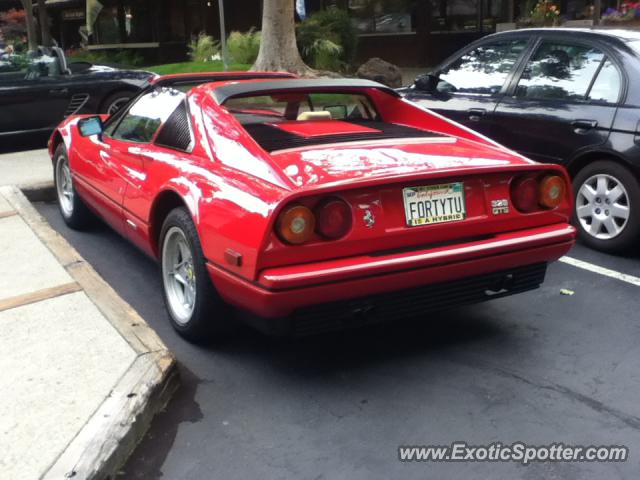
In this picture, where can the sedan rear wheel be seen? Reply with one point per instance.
(195, 309)
(607, 197)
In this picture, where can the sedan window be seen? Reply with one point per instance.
(482, 70)
(559, 71)
(143, 119)
(606, 87)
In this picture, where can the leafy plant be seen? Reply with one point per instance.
(122, 57)
(204, 48)
(328, 39)
(325, 54)
(13, 28)
(244, 47)
(627, 12)
(545, 12)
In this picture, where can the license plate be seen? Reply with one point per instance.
(434, 204)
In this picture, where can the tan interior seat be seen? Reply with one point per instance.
(322, 115)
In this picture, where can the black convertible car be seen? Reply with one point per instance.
(39, 89)
(568, 96)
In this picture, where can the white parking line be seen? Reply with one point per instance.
(601, 270)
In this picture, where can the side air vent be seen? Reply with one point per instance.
(176, 131)
(75, 105)
(272, 138)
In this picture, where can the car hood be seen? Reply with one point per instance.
(370, 160)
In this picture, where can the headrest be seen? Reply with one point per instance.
(322, 115)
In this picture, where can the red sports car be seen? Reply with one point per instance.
(310, 205)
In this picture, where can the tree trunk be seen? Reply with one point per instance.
(278, 47)
(43, 20)
(32, 34)
(597, 7)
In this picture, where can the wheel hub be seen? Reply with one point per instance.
(602, 206)
(179, 275)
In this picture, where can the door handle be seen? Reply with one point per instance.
(476, 114)
(582, 126)
(58, 92)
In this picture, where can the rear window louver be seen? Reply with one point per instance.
(176, 131)
(271, 138)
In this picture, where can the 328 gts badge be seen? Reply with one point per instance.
(500, 206)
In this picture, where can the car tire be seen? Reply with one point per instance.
(73, 210)
(115, 101)
(195, 309)
(607, 206)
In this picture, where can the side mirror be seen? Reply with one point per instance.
(90, 126)
(427, 83)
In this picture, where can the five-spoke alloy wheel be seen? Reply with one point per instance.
(178, 275)
(195, 309)
(73, 210)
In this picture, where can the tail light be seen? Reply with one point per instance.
(524, 194)
(334, 218)
(552, 191)
(296, 224)
(530, 193)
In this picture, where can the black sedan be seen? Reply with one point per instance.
(39, 89)
(568, 96)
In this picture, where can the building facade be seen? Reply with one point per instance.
(405, 32)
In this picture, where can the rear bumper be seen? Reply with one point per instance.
(284, 291)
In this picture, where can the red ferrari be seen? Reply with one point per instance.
(310, 205)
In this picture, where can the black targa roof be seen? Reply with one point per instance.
(222, 94)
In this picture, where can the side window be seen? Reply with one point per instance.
(606, 87)
(143, 119)
(483, 70)
(559, 71)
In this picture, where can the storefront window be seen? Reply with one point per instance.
(122, 21)
(494, 11)
(384, 16)
(465, 15)
(454, 15)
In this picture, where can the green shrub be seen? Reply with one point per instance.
(244, 47)
(203, 48)
(122, 57)
(320, 34)
(324, 53)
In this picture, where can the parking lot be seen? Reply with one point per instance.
(542, 367)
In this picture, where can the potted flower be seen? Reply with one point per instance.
(627, 15)
(545, 13)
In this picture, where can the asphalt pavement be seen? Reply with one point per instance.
(540, 368)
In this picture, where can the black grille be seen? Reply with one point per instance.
(176, 131)
(272, 138)
(415, 301)
(75, 105)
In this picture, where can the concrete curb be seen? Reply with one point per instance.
(108, 438)
(39, 192)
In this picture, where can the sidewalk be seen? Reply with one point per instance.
(82, 373)
(30, 168)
